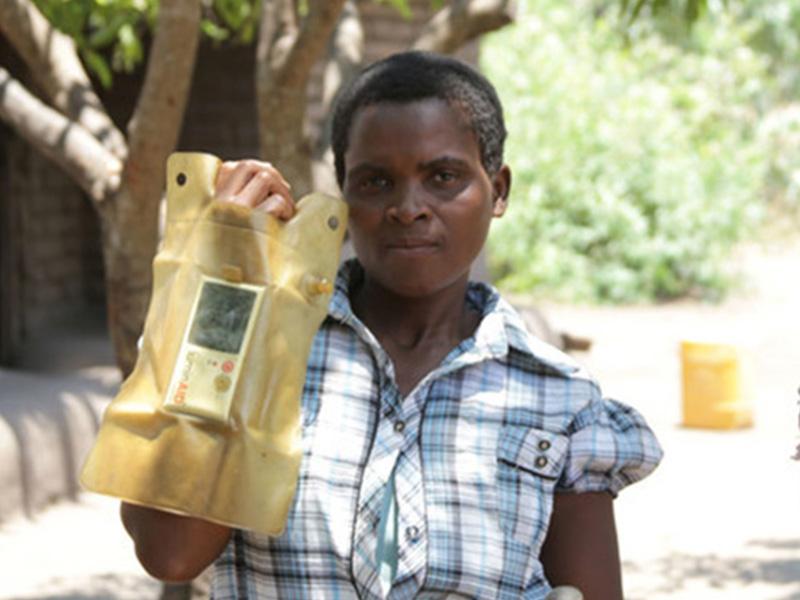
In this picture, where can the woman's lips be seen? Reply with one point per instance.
(412, 246)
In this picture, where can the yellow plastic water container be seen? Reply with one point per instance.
(713, 395)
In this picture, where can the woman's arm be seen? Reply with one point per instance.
(172, 547)
(581, 546)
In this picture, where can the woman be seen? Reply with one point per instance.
(446, 451)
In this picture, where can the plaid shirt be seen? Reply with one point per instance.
(480, 446)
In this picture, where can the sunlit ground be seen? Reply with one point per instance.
(73, 551)
(719, 518)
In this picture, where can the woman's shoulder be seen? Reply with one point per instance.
(527, 346)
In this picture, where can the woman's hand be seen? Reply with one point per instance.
(255, 184)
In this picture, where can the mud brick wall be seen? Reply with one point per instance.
(60, 257)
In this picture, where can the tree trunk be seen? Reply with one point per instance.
(64, 141)
(130, 222)
(288, 47)
(129, 228)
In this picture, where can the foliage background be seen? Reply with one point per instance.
(109, 34)
(642, 152)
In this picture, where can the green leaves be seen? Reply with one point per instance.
(107, 33)
(98, 65)
(637, 166)
(232, 19)
(692, 10)
(110, 34)
(400, 6)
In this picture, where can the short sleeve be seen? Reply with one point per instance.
(610, 447)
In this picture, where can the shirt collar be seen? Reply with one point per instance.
(501, 327)
(339, 308)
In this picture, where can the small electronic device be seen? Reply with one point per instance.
(210, 357)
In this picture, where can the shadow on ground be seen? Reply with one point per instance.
(50, 407)
(109, 586)
(678, 571)
(47, 424)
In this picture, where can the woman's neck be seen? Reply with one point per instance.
(409, 323)
(416, 333)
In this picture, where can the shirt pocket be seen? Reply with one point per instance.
(529, 462)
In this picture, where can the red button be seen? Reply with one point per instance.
(227, 366)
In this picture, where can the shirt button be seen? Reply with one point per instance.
(412, 534)
(544, 445)
(388, 412)
(400, 426)
(541, 461)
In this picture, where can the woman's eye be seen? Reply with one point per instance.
(375, 183)
(445, 177)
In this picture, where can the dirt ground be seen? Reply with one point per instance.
(718, 519)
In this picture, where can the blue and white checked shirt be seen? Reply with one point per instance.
(480, 446)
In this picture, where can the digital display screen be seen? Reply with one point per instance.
(220, 320)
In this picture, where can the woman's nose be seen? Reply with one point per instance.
(409, 206)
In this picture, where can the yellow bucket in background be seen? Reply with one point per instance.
(713, 395)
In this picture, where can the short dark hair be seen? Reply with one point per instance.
(411, 76)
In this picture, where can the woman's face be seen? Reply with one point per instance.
(420, 200)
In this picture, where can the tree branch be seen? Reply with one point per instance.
(285, 56)
(53, 61)
(291, 49)
(156, 122)
(461, 21)
(345, 55)
(315, 31)
(65, 142)
(277, 33)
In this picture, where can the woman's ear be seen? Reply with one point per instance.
(501, 186)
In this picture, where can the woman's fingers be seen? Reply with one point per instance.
(232, 177)
(255, 184)
(278, 207)
(264, 192)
